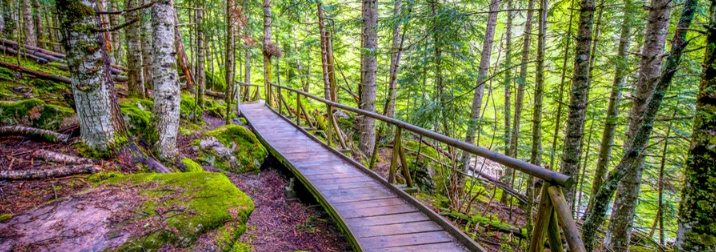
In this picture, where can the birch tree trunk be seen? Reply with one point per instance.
(147, 43)
(620, 75)
(165, 114)
(101, 124)
(27, 24)
(135, 76)
(519, 99)
(578, 99)
(698, 197)
(620, 225)
(635, 147)
(369, 68)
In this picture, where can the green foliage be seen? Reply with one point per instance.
(215, 82)
(35, 113)
(206, 201)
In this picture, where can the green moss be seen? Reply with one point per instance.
(5, 216)
(208, 201)
(248, 154)
(137, 114)
(86, 151)
(102, 176)
(191, 166)
(36, 113)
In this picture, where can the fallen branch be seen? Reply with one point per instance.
(35, 133)
(11, 51)
(502, 227)
(215, 94)
(48, 173)
(38, 74)
(7, 42)
(55, 157)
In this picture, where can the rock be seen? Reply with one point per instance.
(36, 113)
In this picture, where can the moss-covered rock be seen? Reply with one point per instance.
(191, 166)
(231, 148)
(183, 206)
(137, 114)
(36, 113)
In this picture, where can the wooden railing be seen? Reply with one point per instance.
(553, 211)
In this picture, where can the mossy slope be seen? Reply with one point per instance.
(190, 204)
(35, 113)
(231, 148)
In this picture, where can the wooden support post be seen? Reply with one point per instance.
(339, 132)
(394, 157)
(553, 236)
(280, 108)
(403, 160)
(544, 213)
(308, 117)
(298, 110)
(564, 214)
(329, 126)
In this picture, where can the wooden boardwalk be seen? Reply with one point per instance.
(374, 215)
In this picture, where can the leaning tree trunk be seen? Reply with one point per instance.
(635, 147)
(165, 114)
(698, 197)
(28, 24)
(620, 74)
(369, 68)
(620, 224)
(474, 124)
(578, 100)
(519, 99)
(147, 43)
(101, 124)
(135, 82)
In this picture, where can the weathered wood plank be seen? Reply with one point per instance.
(386, 219)
(442, 247)
(370, 204)
(407, 239)
(378, 211)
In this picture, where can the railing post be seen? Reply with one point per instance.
(329, 126)
(564, 214)
(394, 157)
(544, 213)
(278, 91)
(298, 110)
(403, 160)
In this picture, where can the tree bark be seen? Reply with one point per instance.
(519, 99)
(620, 75)
(37, 18)
(28, 24)
(165, 114)
(696, 210)
(508, 79)
(620, 225)
(182, 58)
(34, 133)
(201, 64)
(266, 43)
(369, 68)
(578, 99)
(230, 60)
(9, 22)
(113, 21)
(135, 84)
(389, 109)
(60, 158)
(147, 44)
(324, 53)
(49, 173)
(101, 124)
(636, 146)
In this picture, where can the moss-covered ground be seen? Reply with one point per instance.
(246, 152)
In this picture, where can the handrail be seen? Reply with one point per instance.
(531, 169)
(553, 209)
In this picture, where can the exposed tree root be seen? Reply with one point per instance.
(139, 156)
(34, 133)
(48, 173)
(55, 157)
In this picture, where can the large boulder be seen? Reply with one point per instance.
(231, 148)
(36, 113)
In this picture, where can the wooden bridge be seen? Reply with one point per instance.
(374, 214)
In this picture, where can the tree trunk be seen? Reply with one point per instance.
(696, 210)
(37, 18)
(389, 109)
(369, 68)
(101, 124)
(636, 146)
(620, 225)
(28, 24)
(9, 22)
(135, 84)
(324, 53)
(558, 123)
(519, 99)
(182, 58)
(113, 22)
(508, 80)
(620, 75)
(200, 62)
(165, 114)
(266, 43)
(146, 40)
(230, 60)
(475, 117)
(578, 99)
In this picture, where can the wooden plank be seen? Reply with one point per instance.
(348, 185)
(356, 198)
(407, 239)
(442, 247)
(342, 180)
(398, 228)
(386, 219)
(336, 175)
(369, 204)
(356, 192)
(378, 211)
